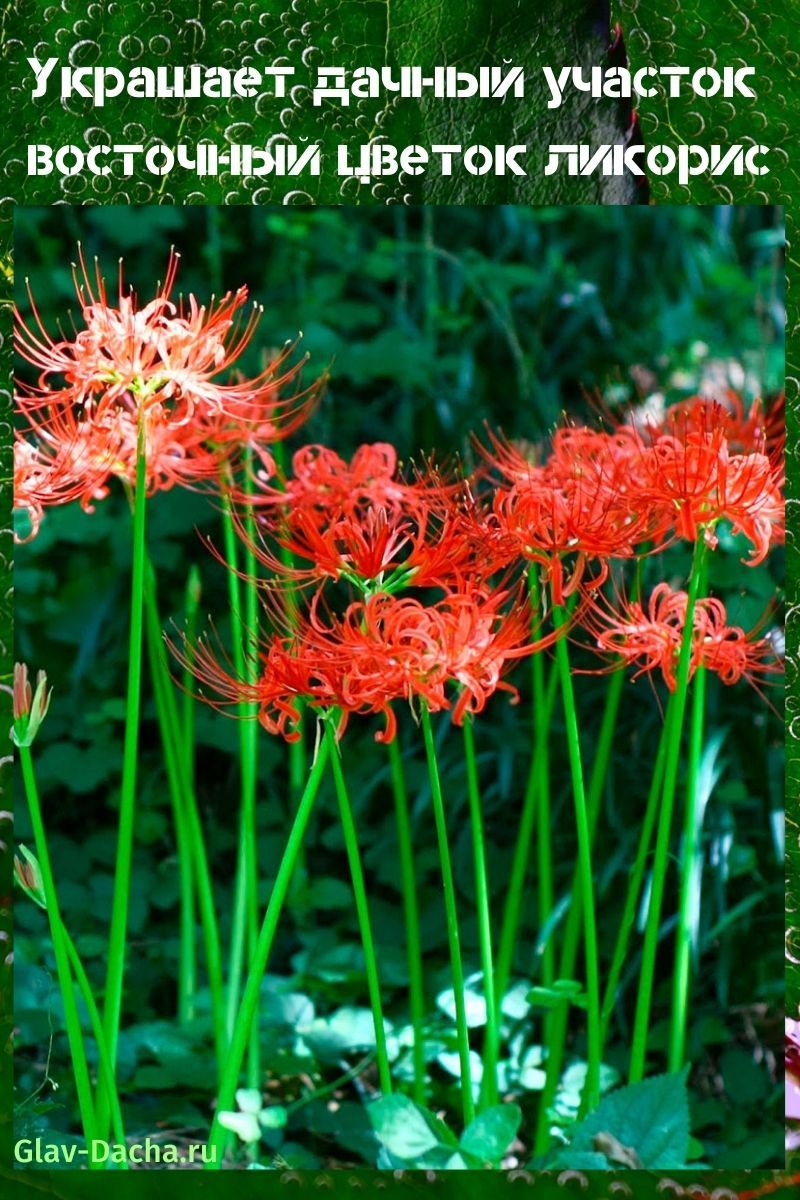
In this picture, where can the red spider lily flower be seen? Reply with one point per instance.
(436, 541)
(157, 367)
(161, 352)
(581, 506)
(648, 636)
(691, 473)
(382, 649)
(44, 477)
(322, 484)
(758, 429)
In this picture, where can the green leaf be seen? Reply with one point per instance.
(562, 991)
(681, 31)
(346, 1029)
(474, 1003)
(244, 1124)
(402, 1127)
(649, 1120)
(489, 1136)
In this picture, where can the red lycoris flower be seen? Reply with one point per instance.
(380, 650)
(581, 506)
(157, 367)
(648, 636)
(690, 470)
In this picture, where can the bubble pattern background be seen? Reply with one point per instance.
(306, 34)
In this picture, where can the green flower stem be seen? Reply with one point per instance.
(117, 943)
(635, 879)
(188, 953)
(185, 808)
(557, 1020)
(488, 1093)
(591, 1096)
(660, 862)
(72, 1022)
(362, 908)
(244, 928)
(462, 1029)
(252, 605)
(542, 715)
(536, 786)
(688, 874)
(416, 993)
(191, 606)
(594, 797)
(248, 1008)
(297, 750)
(95, 1020)
(186, 950)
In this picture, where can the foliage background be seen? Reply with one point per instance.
(433, 320)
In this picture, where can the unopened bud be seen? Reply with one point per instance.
(30, 706)
(29, 876)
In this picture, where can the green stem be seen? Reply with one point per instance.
(488, 1093)
(594, 797)
(416, 993)
(244, 926)
(557, 1020)
(112, 1006)
(250, 996)
(185, 808)
(591, 1096)
(462, 1029)
(95, 1020)
(188, 952)
(251, 662)
(72, 1022)
(661, 859)
(688, 872)
(297, 749)
(536, 786)
(635, 879)
(191, 609)
(362, 909)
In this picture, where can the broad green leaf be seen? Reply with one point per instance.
(489, 1136)
(685, 32)
(648, 1121)
(402, 1127)
(244, 1124)
(474, 1004)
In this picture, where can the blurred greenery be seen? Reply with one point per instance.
(431, 321)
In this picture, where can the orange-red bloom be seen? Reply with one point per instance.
(691, 473)
(581, 506)
(157, 368)
(648, 636)
(380, 650)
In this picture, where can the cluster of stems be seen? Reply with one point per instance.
(564, 926)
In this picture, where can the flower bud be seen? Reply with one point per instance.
(30, 706)
(28, 874)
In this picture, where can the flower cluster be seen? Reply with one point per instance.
(143, 382)
(382, 584)
(604, 495)
(406, 601)
(380, 650)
